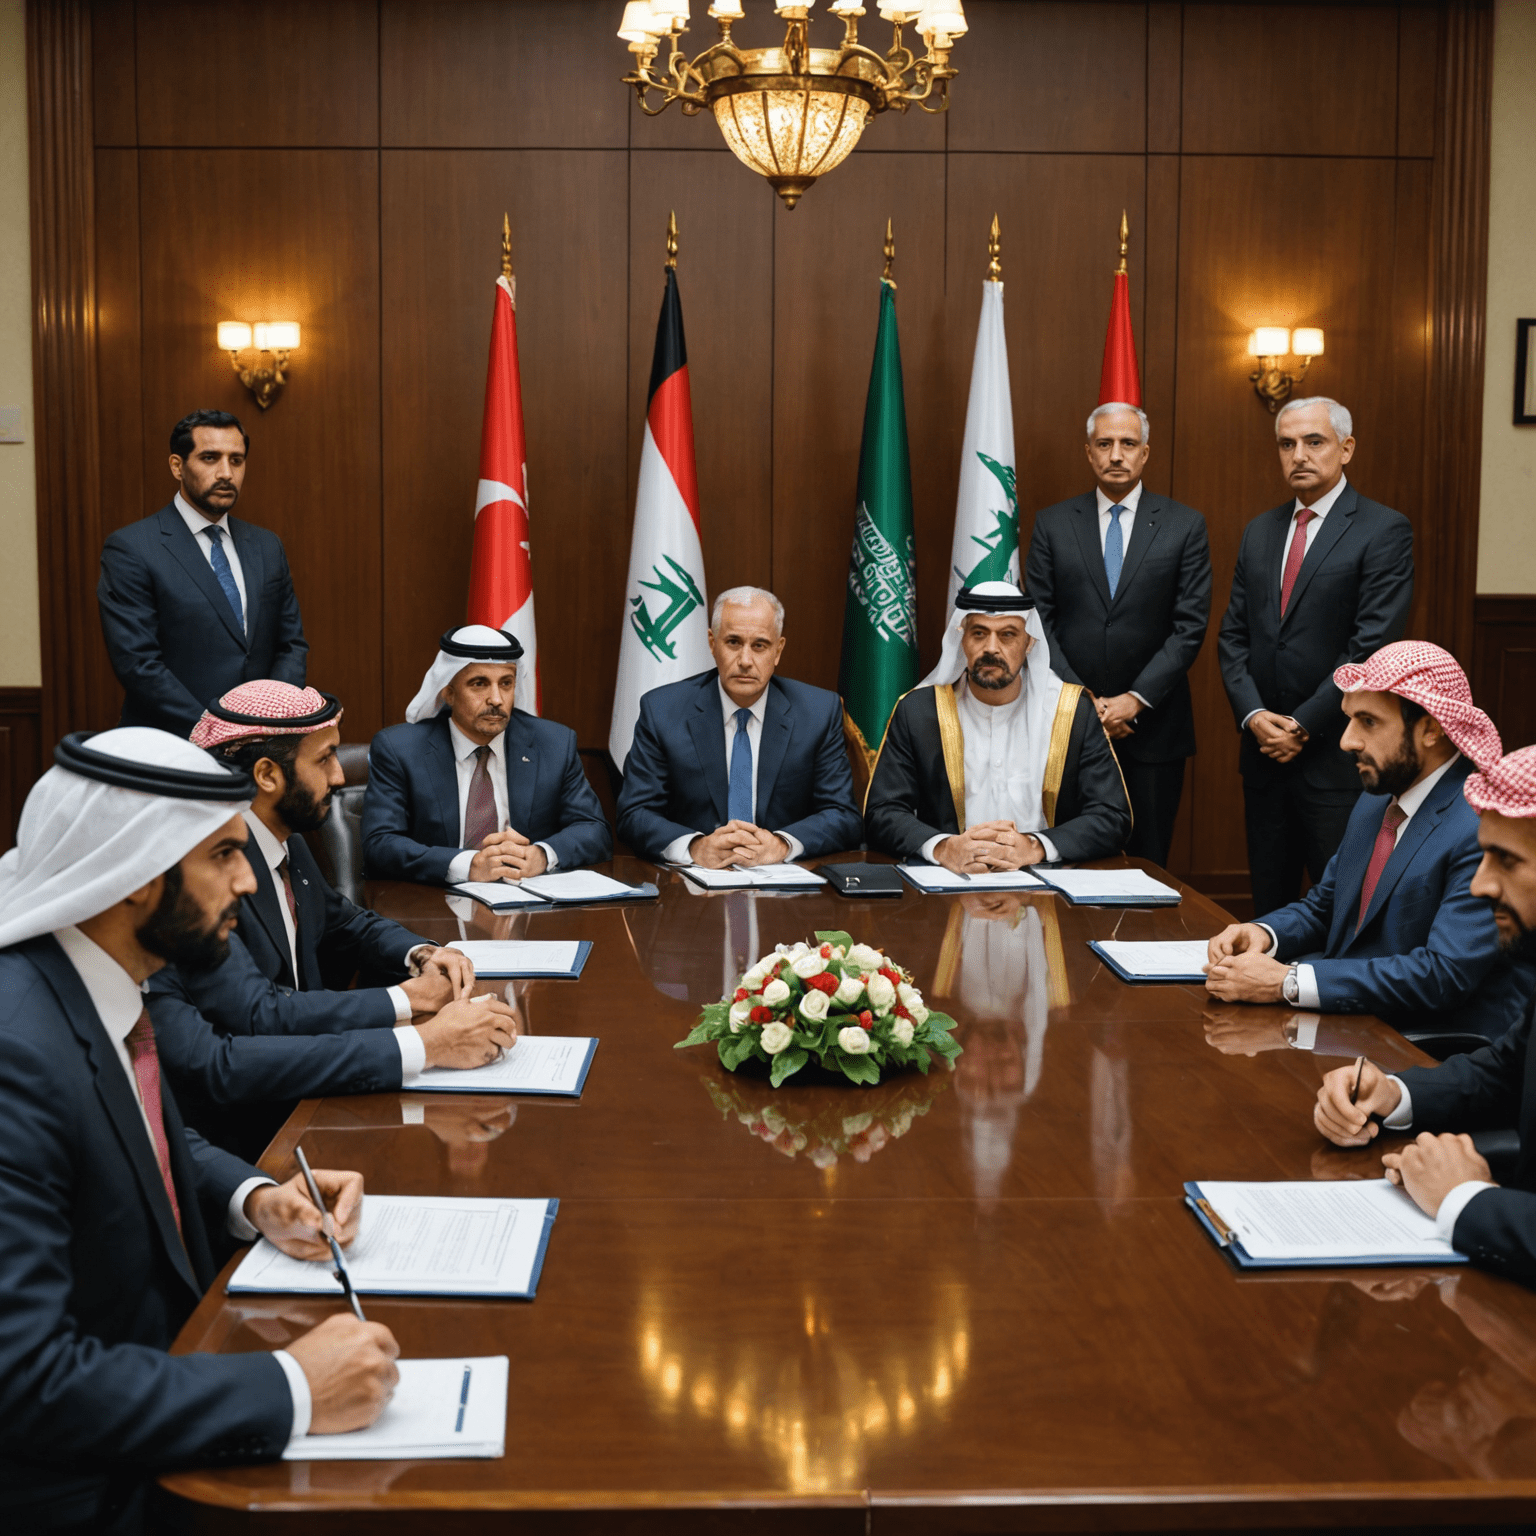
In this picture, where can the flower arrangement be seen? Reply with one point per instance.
(847, 1005)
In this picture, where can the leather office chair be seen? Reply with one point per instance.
(338, 844)
(1442, 1044)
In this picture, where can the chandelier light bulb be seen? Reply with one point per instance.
(942, 16)
(640, 23)
(726, 10)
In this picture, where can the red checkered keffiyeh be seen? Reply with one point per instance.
(282, 710)
(1508, 786)
(1431, 678)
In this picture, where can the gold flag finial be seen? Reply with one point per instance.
(672, 242)
(506, 247)
(1125, 244)
(995, 253)
(890, 255)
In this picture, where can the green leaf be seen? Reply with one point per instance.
(735, 1049)
(786, 1064)
(834, 937)
(861, 1069)
(700, 1032)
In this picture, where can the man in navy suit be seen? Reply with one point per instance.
(788, 789)
(1393, 927)
(1493, 1223)
(114, 1218)
(1121, 579)
(1322, 579)
(470, 788)
(194, 601)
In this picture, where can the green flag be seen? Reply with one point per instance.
(880, 618)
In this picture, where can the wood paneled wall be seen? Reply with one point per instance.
(347, 164)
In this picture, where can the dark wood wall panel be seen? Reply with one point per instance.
(1504, 666)
(118, 353)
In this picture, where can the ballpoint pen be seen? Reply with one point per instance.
(328, 1231)
(1354, 1093)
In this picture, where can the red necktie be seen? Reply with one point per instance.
(146, 1071)
(1296, 554)
(1386, 841)
(288, 896)
(480, 819)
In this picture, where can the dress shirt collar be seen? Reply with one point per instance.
(195, 521)
(730, 706)
(113, 992)
(273, 851)
(466, 747)
(1411, 799)
(1324, 504)
(1130, 501)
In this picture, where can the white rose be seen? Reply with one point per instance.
(775, 992)
(759, 971)
(919, 1012)
(865, 958)
(881, 993)
(775, 1037)
(739, 1011)
(794, 951)
(908, 994)
(814, 1005)
(901, 1032)
(809, 965)
(854, 1040)
(849, 987)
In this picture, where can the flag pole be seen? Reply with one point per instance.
(890, 257)
(671, 263)
(1123, 270)
(995, 253)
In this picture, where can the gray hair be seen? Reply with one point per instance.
(1339, 419)
(1121, 405)
(745, 596)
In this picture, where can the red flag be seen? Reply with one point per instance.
(1121, 379)
(501, 570)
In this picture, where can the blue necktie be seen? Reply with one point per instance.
(739, 801)
(220, 562)
(1114, 548)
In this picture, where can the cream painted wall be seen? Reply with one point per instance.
(20, 653)
(1506, 553)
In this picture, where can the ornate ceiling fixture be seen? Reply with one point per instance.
(793, 112)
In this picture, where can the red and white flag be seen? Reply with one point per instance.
(501, 570)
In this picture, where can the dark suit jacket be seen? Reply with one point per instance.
(95, 1279)
(676, 781)
(171, 634)
(1351, 598)
(1427, 955)
(910, 801)
(1490, 1089)
(1143, 640)
(411, 808)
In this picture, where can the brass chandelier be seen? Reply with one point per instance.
(794, 112)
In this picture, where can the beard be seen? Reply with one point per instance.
(300, 810)
(174, 930)
(202, 500)
(1523, 945)
(999, 674)
(1393, 776)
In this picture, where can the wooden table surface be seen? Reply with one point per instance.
(972, 1301)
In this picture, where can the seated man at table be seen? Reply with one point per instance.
(1491, 1089)
(114, 1218)
(1393, 927)
(470, 788)
(788, 790)
(992, 762)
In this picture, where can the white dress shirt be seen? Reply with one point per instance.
(464, 767)
(1322, 507)
(119, 1001)
(676, 852)
(996, 741)
(1130, 501)
(413, 1054)
(198, 526)
(1408, 803)
(1456, 1199)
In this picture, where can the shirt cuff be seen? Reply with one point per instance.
(1306, 1032)
(416, 959)
(1051, 856)
(402, 1004)
(1249, 716)
(413, 1053)
(1306, 987)
(1145, 703)
(796, 847)
(551, 859)
(239, 1227)
(676, 852)
(298, 1389)
(1274, 943)
(1401, 1117)
(926, 851)
(458, 866)
(1455, 1203)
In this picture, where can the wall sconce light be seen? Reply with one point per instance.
(1272, 344)
(274, 340)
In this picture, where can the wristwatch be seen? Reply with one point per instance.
(1290, 988)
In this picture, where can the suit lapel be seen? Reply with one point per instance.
(778, 727)
(706, 725)
(263, 901)
(1143, 531)
(184, 548)
(1335, 526)
(1085, 521)
(310, 927)
(252, 568)
(1354, 859)
(1272, 561)
(1418, 832)
(522, 767)
(444, 779)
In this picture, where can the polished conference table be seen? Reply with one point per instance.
(972, 1301)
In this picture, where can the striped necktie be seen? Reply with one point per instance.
(226, 577)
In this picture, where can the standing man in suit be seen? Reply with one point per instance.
(1393, 928)
(788, 790)
(114, 1219)
(1491, 1089)
(194, 601)
(1122, 582)
(1322, 579)
(470, 788)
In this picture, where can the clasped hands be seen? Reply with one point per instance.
(507, 856)
(1239, 968)
(1118, 714)
(462, 1030)
(737, 842)
(1278, 736)
(987, 846)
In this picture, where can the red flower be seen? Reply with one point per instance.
(826, 951)
(761, 1015)
(824, 981)
(741, 994)
(900, 1011)
(890, 975)
(866, 1018)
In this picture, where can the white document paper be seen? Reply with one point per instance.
(758, 876)
(535, 1064)
(1109, 884)
(934, 877)
(1168, 957)
(519, 957)
(417, 1245)
(577, 885)
(442, 1409)
(1349, 1219)
(500, 893)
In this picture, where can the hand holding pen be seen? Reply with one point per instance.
(329, 1233)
